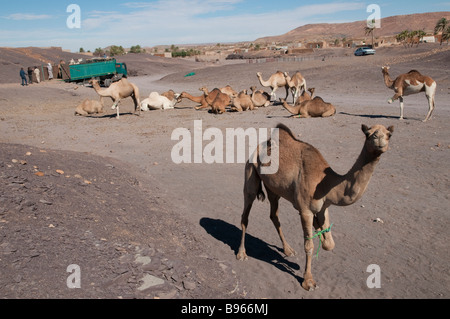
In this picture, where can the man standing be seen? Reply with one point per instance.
(23, 75)
(38, 74)
(50, 71)
(30, 75)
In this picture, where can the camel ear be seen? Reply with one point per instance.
(365, 129)
(391, 129)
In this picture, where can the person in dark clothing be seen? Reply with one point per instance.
(23, 75)
(30, 75)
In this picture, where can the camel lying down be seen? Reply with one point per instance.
(88, 107)
(306, 180)
(307, 106)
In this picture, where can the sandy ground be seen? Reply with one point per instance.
(122, 197)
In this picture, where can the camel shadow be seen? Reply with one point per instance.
(109, 116)
(371, 116)
(256, 248)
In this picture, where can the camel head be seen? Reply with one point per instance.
(385, 69)
(93, 81)
(258, 74)
(204, 89)
(377, 138)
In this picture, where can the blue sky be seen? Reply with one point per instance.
(166, 22)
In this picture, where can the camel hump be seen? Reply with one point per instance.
(414, 71)
(286, 129)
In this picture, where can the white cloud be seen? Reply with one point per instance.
(27, 16)
(174, 21)
(180, 21)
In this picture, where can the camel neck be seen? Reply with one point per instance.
(351, 186)
(292, 109)
(387, 80)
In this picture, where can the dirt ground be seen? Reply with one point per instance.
(104, 194)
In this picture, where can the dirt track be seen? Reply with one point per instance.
(121, 197)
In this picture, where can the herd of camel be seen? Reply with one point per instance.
(304, 178)
(219, 99)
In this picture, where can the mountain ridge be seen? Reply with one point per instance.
(390, 26)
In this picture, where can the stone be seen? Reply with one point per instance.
(150, 281)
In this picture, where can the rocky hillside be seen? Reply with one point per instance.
(389, 26)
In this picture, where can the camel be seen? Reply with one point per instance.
(296, 83)
(276, 80)
(117, 91)
(305, 179)
(410, 83)
(305, 96)
(155, 101)
(242, 102)
(216, 99)
(197, 99)
(89, 107)
(259, 98)
(306, 106)
(229, 91)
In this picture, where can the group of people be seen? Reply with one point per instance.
(37, 73)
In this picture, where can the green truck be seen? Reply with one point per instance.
(105, 70)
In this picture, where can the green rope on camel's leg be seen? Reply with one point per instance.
(317, 234)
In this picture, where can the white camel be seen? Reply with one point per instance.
(155, 101)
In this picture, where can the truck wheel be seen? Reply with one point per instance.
(107, 82)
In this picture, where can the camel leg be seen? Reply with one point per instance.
(329, 113)
(252, 189)
(136, 104)
(287, 93)
(273, 95)
(202, 106)
(400, 98)
(321, 222)
(430, 107)
(274, 199)
(401, 107)
(307, 218)
(294, 94)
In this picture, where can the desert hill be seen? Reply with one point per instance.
(390, 26)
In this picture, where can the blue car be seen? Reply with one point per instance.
(364, 51)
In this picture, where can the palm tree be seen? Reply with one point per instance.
(411, 36)
(445, 35)
(420, 35)
(369, 31)
(441, 26)
(402, 36)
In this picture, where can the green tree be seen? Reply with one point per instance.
(420, 35)
(82, 50)
(99, 52)
(441, 26)
(411, 37)
(116, 50)
(136, 49)
(446, 34)
(370, 31)
(402, 36)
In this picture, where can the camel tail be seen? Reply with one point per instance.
(260, 195)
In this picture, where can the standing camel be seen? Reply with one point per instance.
(276, 80)
(296, 83)
(117, 91)
(305, 179)
(410, 83)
